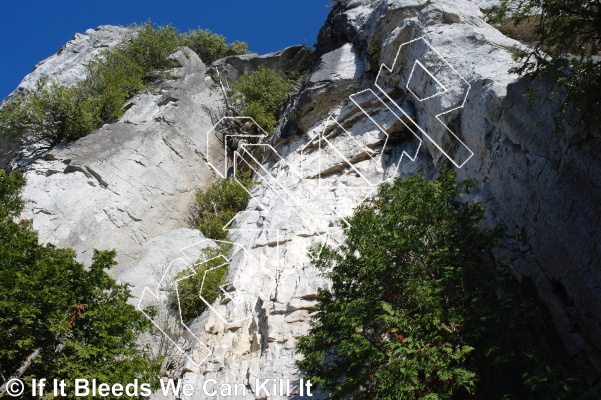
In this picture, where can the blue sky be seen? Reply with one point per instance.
(31, 31)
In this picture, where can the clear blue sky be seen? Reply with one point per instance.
(31, 31)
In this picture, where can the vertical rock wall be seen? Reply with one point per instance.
(540, 184)
(133, 181)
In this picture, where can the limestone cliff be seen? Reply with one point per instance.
(340, 137)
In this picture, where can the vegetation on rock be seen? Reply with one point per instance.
(219, 203)
(214, 208)
(565, 43)
(57, 113)
(197, 288)
(260, 95)
(57, 318)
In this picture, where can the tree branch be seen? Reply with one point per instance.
(19, 372)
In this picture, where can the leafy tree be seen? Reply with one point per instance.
(57, 319)
(206, 281)
(219, 203)
(565, 44)
(417, 311)
(261, 94)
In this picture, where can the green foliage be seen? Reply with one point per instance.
(416, 310)
(151, 47)
(565, 44)
(261, 94)
(77, 318)
(58, 113)
(390, 327)
(373, 54)
(206, 281)
(217, 205)
(112, 78)
(211, 46)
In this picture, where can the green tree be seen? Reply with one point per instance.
(219, 203)
(57, 319)
(417, 310)
(261, 94)
(391, 326)
(564, 43)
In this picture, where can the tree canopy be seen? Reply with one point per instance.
(57, 318)
(417, 310)
(565, 43)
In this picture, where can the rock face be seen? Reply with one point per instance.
(294, 58)
(356, 125)
(133, 180)
(66, 67)
(538, 183)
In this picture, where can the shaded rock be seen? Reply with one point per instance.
(294, 58)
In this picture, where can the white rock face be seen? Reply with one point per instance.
(155, 256)
(131, 181)
(67, 66)
(523, 175)
(130, 185)
(294, 58)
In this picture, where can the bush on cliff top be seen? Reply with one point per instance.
(56, 113)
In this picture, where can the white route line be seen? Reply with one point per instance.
(295, 203)
(384, 67)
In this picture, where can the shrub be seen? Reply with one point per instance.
(59, 113)
(113, 77)
(211, 46)
(150, 48)
(416, 310)
(55, 113)
(217, 205)
(206, 281)
(261, 94)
